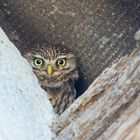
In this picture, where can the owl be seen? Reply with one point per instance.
(56, 70)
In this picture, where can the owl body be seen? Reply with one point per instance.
(56, 70)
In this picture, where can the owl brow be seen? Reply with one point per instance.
(62, 56)
(72, 56)
(55, 54)
(49, 55)
(39, 53)
(44, 53)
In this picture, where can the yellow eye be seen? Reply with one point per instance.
(61, 62)
(38, 62)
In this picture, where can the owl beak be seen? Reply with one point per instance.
(50, 70)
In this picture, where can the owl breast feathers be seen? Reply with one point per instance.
(56, 70)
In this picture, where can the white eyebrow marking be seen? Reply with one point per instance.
(38, 56)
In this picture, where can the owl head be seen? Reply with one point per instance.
(53, 65)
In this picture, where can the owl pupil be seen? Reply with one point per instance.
(61, 62)
(38, 61)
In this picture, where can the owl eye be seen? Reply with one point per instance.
(38, 62)
(61, 62)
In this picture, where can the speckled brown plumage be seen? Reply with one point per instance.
(60, 83)
(62, 97)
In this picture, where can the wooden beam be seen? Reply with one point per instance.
(109, 108)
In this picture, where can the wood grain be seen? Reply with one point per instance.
(109, 109)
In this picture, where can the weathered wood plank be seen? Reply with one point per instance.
(94, 114)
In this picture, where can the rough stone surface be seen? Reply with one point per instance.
(98, 31)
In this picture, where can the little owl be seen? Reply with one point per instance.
(56, 70)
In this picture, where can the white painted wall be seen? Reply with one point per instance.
(25, 111)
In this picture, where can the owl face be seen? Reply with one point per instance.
(52, 65)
